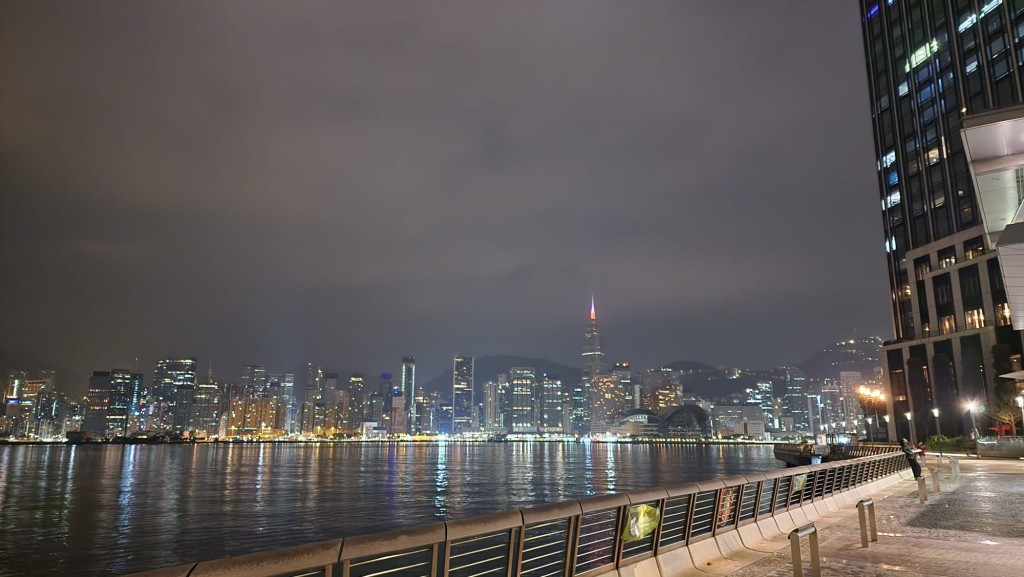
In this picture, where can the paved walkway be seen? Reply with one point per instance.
(974, 527)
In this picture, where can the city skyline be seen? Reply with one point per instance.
(443, 204)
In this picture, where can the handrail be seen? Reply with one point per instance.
(566, 539)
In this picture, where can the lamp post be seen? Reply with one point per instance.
(938, 429)
(910, 423)
(870, 439)
(971, 405)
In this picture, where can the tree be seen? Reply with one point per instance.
(1003, 407)
(1002, 404)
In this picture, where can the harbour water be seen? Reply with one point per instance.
(108, 510)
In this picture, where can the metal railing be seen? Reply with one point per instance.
(573, 538)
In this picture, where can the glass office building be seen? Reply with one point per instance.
(931, 64)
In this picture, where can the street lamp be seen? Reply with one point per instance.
(913, 434)
(938, 429)
(971, 405)
(870, 440)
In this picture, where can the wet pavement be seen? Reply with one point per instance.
(974, 527)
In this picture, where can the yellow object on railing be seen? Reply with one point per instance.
(641, 522)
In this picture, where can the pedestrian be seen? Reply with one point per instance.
(920, 449)
(911, 454)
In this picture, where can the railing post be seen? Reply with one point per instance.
(922, 490)
(866, 513)
(954, 467)
(794, 543)
(935, 480)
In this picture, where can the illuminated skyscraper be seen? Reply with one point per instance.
(409, 393)
(462, 395)
(592, 365)
(311, 415)
(794, 383)
(170, 374)
(936, 70)
(553, 406)
(524, 399)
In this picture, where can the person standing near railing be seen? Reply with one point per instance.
(911, 454)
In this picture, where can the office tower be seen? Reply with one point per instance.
(206, 416)
(592, 364)
(553, 406)
(410, 393)
(312, 398)
(523, 382)
(794, 386)
(849, 384)
(168, 376)
(462, 395)
(96, 408)
(607, 402)
(630, 388)
(760, 395)
(119, 398)
(280, 402)
(935, 71)
(493, 421)
(357, 403)
(831, 402)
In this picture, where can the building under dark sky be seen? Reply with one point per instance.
(930, 65)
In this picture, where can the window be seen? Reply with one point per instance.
(933, 156)
(1003, 317)
(905, 88)
(922, 267)
(975, 318)
(974, 248)
(947, 257)
(970, 68)
(948, 325)
(996, 46)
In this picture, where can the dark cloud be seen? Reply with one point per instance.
(353, 182)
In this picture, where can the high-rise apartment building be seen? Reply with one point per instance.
(169, 376)
(932, 67)
(462, 395)
(311, 413)
(496, 395)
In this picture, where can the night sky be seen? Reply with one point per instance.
(351, 182)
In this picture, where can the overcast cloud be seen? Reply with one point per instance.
(351, 182)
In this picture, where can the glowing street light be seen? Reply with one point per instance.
(971, 406)
(938, 429)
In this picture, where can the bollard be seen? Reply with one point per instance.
(794, 541)
(922, 490)
(866, 512)
(954, 467)
(935, 480)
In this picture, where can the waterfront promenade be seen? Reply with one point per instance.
(974, 527)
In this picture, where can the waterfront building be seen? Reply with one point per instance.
(592, 364)
(463, 420)
(409, 394)
(607, 402)
(353, 412)
(794, 384)
(553, 406)
(630, 386)
(206, 415)
(742, 420)
(935, 69)
(282, 391)
(170, 374)
(761, 395)
(849, 384)
(524, 398)
(496, 404)
(313, 397)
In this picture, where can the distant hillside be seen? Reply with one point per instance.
(706, 381)
(487, 369)
(860, 354)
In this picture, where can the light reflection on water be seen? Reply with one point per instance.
(108, 510)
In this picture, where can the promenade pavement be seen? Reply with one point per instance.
(974, 527)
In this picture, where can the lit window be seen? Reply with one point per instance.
(1003, 317)
(948, 325)
(975, 318)
(933, 155)
(905, 88)
(972, 65)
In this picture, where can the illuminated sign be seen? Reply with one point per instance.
(922, 54)
(973, 18)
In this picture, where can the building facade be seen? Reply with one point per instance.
(463, 405)
(592, 365)
(931, 64)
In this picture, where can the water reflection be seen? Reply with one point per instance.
(95, 510)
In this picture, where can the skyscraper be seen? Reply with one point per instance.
(552, 406)
(931, 65)
(794, 385)
(170, 374)
(462, 395)
(524, 399)
(409, 393)
(313, 397)
(592, 364)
